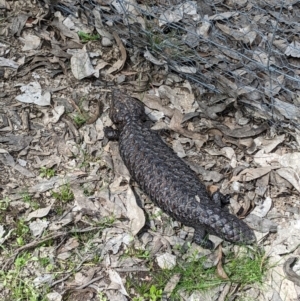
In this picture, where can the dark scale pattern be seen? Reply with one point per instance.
(168, 181)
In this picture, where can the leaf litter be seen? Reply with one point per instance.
(110, 231)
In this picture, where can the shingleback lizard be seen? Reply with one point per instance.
(167, 179)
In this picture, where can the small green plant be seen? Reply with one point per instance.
(79, 119)
(101, 296)
(246, 268)
(64, 194)
(21, 231)
(105, 222)
(132, 252)
(19, 287)
(44, 261)
(47, 172)
(154, 294)
(4, 203)
(86, 37)
(28, 199)
(138, 299)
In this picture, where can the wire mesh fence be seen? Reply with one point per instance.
(245, 49)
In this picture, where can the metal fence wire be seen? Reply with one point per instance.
(244, 49)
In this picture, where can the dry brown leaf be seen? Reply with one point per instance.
(70, 244)
(220, 271)
(119, 64)
(8, 160)
(116, 279)
(119, 166)
(82, 278)
(134, 213)
(18, 23)
(64, 30)
(175, 125)
(293, 49)
(245, 34)
(244, 132)
(290, 175)
(250, 174)
(181, 99)
(154, 102)
(39, 213)
(268, 144)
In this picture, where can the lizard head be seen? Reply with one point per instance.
(124, 108)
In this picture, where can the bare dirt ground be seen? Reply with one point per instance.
(72, 224)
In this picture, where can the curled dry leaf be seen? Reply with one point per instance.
(181, 99)
(70, 244)
(148, 56)
(119, 167)
(115, 278)
(223, 16)
(244, 132)
(265, 159)
(204, 28)
(175, 125)
(84, 277)
(39, 213)
(290, 175)
(207, 175)
(264, 58)
(64, 30)
(119, 64)
(250, 174)
(45, 185)
(185, 69)
(273, 86)
(153, 102)
(176, 13)
(220, 271)
(134, 213)
(14, 143)
(268, 144)
(288, 110)
(7, 159)
(171, 284)
(291, 160)
(293, 49)
(228, 152)
(246, 34)
(103, 32)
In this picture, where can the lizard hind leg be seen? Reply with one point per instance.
(201, 238)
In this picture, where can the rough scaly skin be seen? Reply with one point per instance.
(166, 179)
